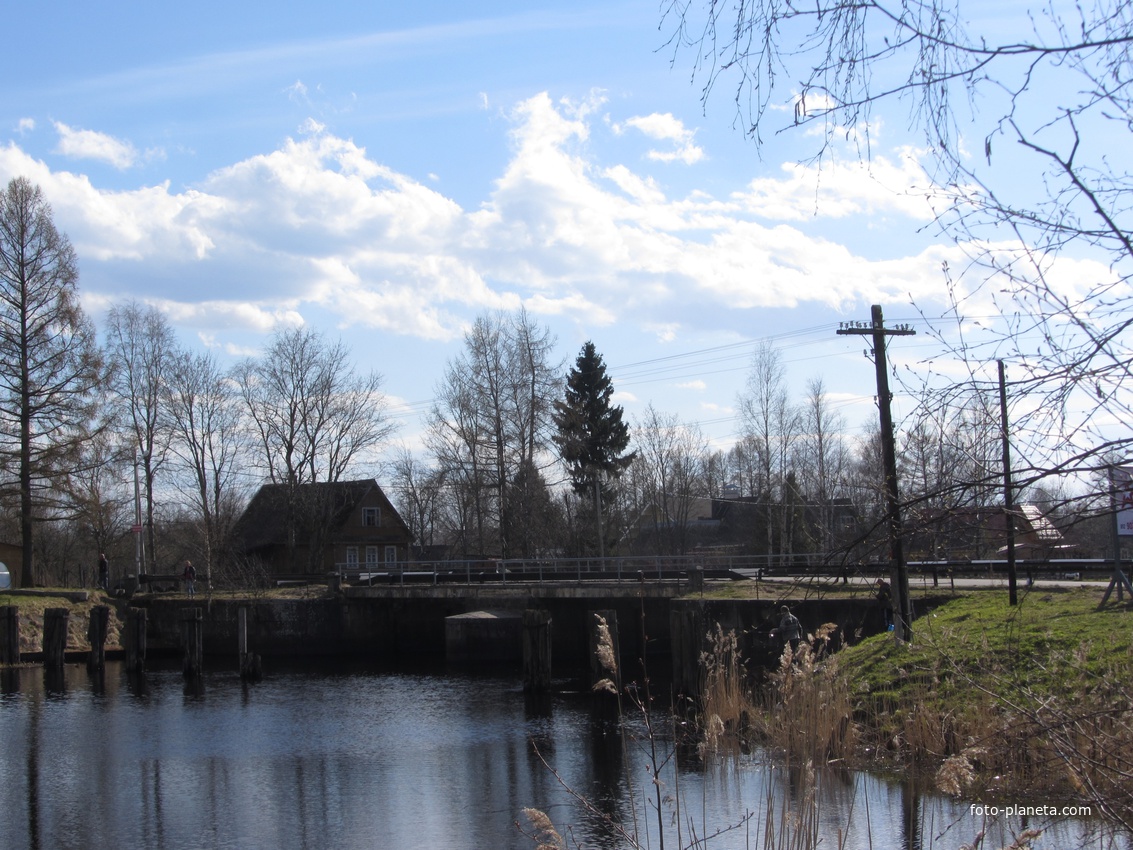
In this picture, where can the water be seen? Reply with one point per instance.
(355, 756)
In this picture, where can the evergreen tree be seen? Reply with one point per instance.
(589, 432)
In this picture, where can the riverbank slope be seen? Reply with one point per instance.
(1035, 698)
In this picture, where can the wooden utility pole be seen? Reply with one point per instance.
(902, 629)
(1008, 494)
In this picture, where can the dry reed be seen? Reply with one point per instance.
(807, 707)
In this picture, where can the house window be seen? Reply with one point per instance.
(371, 516)
(371, 556)
(352, 556)
(391, 554)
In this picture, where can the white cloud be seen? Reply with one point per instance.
(90, 144)
(297, 92)
(843, 188)
(321, 224)
(665, 127)
(25, 125)
(311, 127)
(697, 385)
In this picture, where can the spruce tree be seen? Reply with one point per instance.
(589, 431)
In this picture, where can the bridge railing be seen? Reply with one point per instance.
(671, 568)
(648, 567)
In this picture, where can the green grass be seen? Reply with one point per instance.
(1031, 698)
(1051, 642)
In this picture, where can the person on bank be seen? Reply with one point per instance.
(190, 576)
(885, 602)
(790, 630)
(103, 572)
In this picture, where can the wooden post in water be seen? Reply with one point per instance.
(250, 668)
(55, 622)
(605, 658)
(536, 650)
(135, 640)
(9, 634)
(96, 634)
(686, 635)
(192, 640)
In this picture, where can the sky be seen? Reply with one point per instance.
(384, 173)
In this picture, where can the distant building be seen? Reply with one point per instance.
(980, 533)
(319, 528)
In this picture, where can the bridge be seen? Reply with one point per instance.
(679, 568)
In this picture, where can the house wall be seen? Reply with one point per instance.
(390, 531)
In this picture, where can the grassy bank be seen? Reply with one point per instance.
(31, 617)
(1036, 698)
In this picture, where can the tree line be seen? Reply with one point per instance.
(103, 440)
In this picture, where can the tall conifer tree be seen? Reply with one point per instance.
(589, 431)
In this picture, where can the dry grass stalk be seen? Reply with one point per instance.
(807, 710)
(605, 651)
(543, 831)
(725, 701)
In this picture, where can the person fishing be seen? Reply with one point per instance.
(789, 630)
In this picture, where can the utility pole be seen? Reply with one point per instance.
(876, 328)
(1008, 494)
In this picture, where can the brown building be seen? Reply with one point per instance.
(314, 529)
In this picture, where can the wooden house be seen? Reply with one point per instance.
(315, 529)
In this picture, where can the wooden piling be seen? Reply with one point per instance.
(536, 650)
(192, 641)
(96, 634)
(9, 634)
(605, 655)
(250, 667)
(135, 640)
(686, 636)
(55, 622)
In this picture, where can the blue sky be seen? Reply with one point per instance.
(386, 172)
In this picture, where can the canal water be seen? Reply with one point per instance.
(340, 755)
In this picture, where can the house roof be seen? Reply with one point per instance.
(1041, 527)
(265, 520)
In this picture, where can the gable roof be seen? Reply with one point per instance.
(265, 520)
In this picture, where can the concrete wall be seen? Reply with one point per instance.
(407, 624)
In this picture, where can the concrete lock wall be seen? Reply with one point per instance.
(404, 625)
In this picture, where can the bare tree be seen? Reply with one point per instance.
(139, 345)
(669, 457)
(488, 427)
(201, 408)
(101, 495)
(822, 458)
(771, 422)
(312, 418)
(418, 490)
(50, 368)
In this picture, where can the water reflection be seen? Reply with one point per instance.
(353, 756)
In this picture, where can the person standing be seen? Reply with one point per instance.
(885, 601)
(103, 572)
(790, 630)
(189, 574)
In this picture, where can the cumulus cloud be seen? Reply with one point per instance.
(90, 144)
(665, 127)
(321, 223)
(844, 188)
